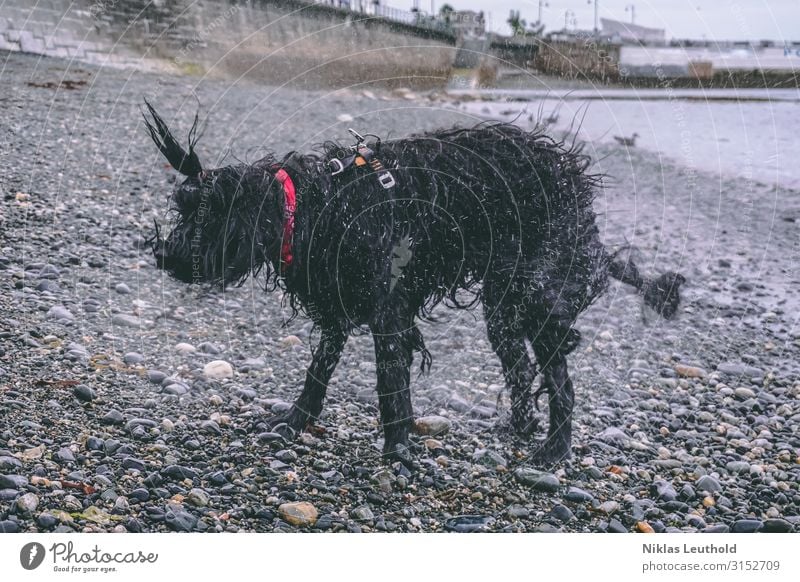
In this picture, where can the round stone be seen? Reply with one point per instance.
(432, 425)
(83, 393)
(183, 348)
(27, 503)
(198, 497)
(537, 480)
(747, 526)
(469, 523)
(290, 340)
(13, 481)
(299, 513)
(708, 483)
(218, 369)
(133, 358)
(60, 313)
(561, 513)
(362, 513)
(113, 417)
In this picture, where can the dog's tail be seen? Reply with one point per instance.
(662, 294)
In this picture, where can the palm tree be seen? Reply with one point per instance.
(445, 11)
(516, 23)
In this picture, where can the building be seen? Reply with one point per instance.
(618, 32)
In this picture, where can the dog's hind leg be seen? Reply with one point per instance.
(551, 345)
(504, 325)
(308, 405)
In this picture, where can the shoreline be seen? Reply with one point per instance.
(734, 140)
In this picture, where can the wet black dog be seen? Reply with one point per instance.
(374, 236)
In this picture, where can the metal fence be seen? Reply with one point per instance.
(373, 8)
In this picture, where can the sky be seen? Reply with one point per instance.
(712, 19)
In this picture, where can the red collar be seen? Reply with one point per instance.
(289, 207)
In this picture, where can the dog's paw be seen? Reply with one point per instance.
(401, 452)
(547, 455)
(287, 424)
(526, 428)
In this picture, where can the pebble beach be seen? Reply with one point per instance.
(130, 402)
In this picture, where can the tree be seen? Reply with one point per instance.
(516, 23)
(446, 10)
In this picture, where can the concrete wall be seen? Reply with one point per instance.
(584, 59)
(515, 51)
(272, 41)
(722, 58)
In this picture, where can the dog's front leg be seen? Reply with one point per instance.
(308, 405)
(393, 356)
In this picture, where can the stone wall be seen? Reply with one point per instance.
(271, 41)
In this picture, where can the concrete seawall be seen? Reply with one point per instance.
(271, 41)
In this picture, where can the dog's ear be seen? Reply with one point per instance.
(187, 164)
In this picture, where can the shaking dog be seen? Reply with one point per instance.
(375, 236)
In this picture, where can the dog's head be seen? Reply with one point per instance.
(226, 221)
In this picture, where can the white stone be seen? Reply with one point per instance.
(291, 340)
(432, 425)
(218, 369)
(184, 348)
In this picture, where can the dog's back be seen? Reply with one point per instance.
(469, 203)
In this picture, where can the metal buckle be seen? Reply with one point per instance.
(386, 180)
(339, 166)
(359, 138)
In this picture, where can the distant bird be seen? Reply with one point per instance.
(553, 118)
(627, 141)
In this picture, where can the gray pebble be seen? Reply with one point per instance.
(561, 513)
(362, 513)
(133, 358)
(708, 483)
(113, 417)
(133, 463)
(537, 480)
(178, 520)
(125, 320)
(13, 481)
(60, 313)
(746, 526)
(198, 497)
(65, 455)
(179, 472)
(738, 467)
(577, 495)
(46, 520)
(156, 376)
(27, 503)
(84, 393)
(8, 463)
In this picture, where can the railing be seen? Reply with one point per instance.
(372, 8)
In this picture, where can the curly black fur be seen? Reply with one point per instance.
(491, 214)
